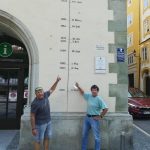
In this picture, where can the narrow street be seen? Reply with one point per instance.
(141, 134)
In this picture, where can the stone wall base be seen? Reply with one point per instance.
(116, 132)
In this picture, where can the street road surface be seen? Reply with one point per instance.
(141, 134)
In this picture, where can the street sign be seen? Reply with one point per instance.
(120, 55)
(5, 49)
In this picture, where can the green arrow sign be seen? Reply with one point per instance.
(5, 49)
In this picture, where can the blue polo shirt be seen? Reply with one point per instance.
(94, 104)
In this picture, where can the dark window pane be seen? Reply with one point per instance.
(3, 96)
(11, 110)
(2, 110)
(3, 85)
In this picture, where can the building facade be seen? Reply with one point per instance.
(145, 45)
(40, 40)
(133, 38)
(138, 23)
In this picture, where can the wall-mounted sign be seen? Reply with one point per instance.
(100, 64)
(13, 96)
(100, 46)
(26, 92)
(5, 49)
(120, 55)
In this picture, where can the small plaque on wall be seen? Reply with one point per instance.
(100, 46)
(100, 64)
(120, 55)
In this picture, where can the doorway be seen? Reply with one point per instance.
(131, 80)
(10, 97)
(13, 83)
(147, 81)
(25, 58)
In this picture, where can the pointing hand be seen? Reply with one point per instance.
(58, 78)
(77, 85)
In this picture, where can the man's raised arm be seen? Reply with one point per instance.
(79, 88)
(52, 89)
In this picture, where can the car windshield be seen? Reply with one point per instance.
(135, 92)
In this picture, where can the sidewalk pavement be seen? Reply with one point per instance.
(9, 139)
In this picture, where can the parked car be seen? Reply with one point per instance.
(138, 103)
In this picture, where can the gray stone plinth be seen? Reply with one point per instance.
(116, 132)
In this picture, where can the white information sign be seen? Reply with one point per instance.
(100, 65)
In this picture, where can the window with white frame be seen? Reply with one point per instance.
(130, 40)
(129, 19)
(145, 4)
(146, 26)
(129, 2)
(144, 53)
(130, 59)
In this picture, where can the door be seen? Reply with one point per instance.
(131, 80)
(11, 91)
(148, 86)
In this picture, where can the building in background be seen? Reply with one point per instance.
(133, 26)
(138, 44)
(145, 45)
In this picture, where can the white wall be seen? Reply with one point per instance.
(83, 27)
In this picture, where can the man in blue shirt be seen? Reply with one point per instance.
(40, 116)
(96, 109)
